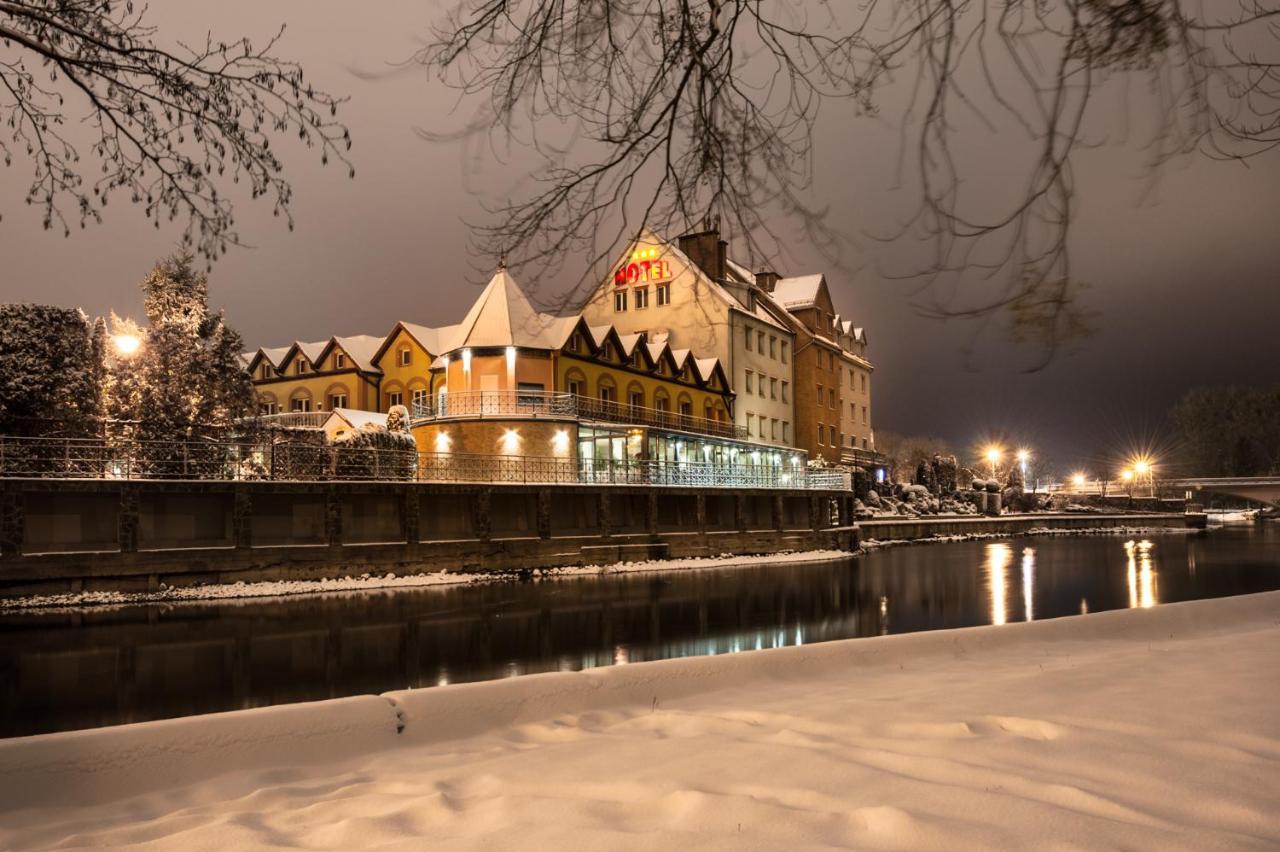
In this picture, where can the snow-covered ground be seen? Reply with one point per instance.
(1134, 729)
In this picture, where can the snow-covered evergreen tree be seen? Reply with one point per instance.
(47, 371)
(186, 380)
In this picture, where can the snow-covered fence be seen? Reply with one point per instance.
(397, 460)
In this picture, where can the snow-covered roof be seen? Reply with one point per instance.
(504, 316)
(276, 355)
(313, 351)
(358, 419)
(362, 348)
(797, 291)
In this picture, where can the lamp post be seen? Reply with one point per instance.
(993, 458)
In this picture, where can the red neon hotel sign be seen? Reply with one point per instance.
(643, 267)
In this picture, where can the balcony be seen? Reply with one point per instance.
(292, 419)
(534, 404)
(291, 461)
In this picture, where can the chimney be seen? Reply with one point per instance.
(767, 279)
(708, 251)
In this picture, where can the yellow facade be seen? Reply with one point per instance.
(318, 387)
(412, 381)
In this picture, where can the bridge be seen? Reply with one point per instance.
(1263, 489)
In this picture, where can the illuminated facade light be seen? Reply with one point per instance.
(510, 441)
(443, 442)
(511, 357)
(1078, 480)
(466, 360)
(560, 441)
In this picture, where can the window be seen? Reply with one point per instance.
(751, 421)
(337, 400)
(821, 395)
(762, 386)
(636, 399)
(662, 403)
(784, 357)
(264, 372)
(760, 342)
(395, 398)
(608, 393)
(300, 367)
(686, 408)
(786, 432)
(853, 411)
(785, 386)
(822, 434)
(300, 404)
(642, 298)
(864, 415)
(749, 337)
(267, 408)
(664, 294)
(620, 301)
(573, 344)
(864, 382)
(529, 393)
(773, 346)
(420, 397)
(773, 429)
(773, 388)
(574, 387)
(406, 356)
(831, 398)
(339, 361)
(750, 385)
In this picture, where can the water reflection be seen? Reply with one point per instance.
(80, 669)
(1142, 574)
(999, 555)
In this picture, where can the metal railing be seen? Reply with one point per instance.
(518, 403)
(294, 419)
(86, 458)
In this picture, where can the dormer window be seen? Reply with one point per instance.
(339, 361)
(406, 356)
(573, 343)
(300, 366)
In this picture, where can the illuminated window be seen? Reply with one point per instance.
(642, 298)
(337, 400)
(664, 294)
(339, 361)
(620, 301)
(406, 356)
(394, 398)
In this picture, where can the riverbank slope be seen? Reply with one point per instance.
(1151, 728)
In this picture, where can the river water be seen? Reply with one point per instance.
(68, 670)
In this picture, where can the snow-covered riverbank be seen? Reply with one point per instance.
(1140, 728)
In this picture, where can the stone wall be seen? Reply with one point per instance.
(61, 535)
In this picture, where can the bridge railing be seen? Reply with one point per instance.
(79, 458)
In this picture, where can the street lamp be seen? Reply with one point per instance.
(1078, 480)
(126, 345)
(993, 457)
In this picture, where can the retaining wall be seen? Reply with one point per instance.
(68, 535)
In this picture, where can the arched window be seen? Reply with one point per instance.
(635, 395)
(300, 400)
(268, 404)
(685, 405)
(575, 383)
(608, 389)
(337, 396)
(392, 394)
(661, 400)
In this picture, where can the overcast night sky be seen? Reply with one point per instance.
(1185, 276)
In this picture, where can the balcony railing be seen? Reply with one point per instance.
(73, 458)
(294, 419)
(479, 404)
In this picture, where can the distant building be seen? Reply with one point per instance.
(833, 390)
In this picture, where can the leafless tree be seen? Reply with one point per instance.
(691, 109)
(169, 125)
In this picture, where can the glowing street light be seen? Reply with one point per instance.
(993, 458)
(126, 345)
(1023, 455)
(1078, 480)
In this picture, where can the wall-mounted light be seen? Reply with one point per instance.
(560, 441)
(510, 441)
(511, 357)
(466, 360)
(443, 442)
